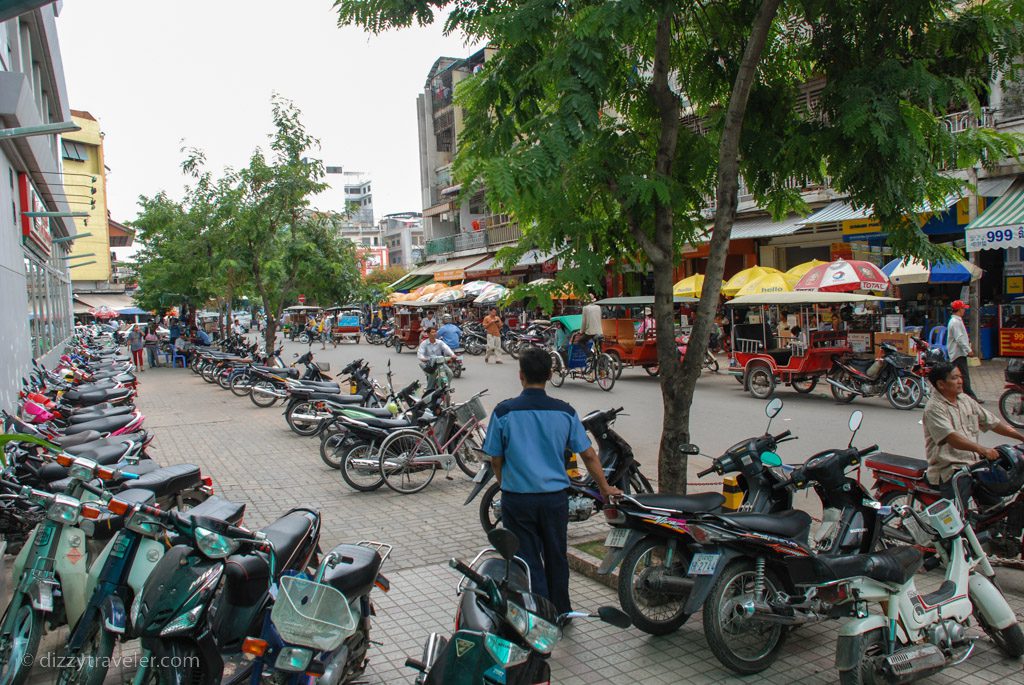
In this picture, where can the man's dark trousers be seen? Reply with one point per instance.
(540, 521)
(961, 363)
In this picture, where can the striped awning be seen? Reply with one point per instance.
(1001, 225)
(835, 213)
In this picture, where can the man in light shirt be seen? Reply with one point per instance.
(958, 344)
(590, 326)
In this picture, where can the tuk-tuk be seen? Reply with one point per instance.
(763, 356)
(620, 328)
(295, 319)
(407, 322)
(347, 324)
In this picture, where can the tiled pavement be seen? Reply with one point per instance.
(254, 458)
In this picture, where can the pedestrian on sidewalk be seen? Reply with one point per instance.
(151, 344)
(492, 324)
(527, 438)
(959, 345)
(136, 342)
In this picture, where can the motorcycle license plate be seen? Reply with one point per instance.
(703, 564)
(616, 537)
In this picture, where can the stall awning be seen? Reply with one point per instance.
(490, 267)
(835, 213)
(765, 227)
(455, 269)
(1000, 226)
(113, 301)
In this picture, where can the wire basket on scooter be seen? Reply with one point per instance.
(466, 411)
(311, 614)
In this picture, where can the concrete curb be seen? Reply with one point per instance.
(587, 564)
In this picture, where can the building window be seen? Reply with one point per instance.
(76, 152)
(49, 302)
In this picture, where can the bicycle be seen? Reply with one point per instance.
(409, 457)
(592, 365)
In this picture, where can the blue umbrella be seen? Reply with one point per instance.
(903, 272)
(131, 311)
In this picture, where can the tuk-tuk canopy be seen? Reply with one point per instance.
(807, 297)
(302, 308)
(640, 301)
(572, 322)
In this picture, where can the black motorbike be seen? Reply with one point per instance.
(620, 470)
(271, 384)
(503, 632)
(891, 375)
(651, 538)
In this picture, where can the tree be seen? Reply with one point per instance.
(605, 127)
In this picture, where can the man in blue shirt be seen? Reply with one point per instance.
(527, 439)
(203, 338)
(450, 333)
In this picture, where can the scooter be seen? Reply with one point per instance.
(891, 375)
(915, 635)
(503, 632)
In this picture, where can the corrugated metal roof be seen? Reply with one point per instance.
(765, 227)
(835, 212)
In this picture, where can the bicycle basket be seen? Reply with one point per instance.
(904, 361)
(474, 409)
(311, 614)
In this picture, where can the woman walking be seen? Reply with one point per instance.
(151, 343)
(136, 344)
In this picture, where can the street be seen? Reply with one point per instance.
(254, 458)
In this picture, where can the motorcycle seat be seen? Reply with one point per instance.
(248, 574)
(71, 410)
(788, 524)
(355, 572)
(107, 424)
(108, 523)
(702, 501)
(860, 364)
(80, 449)
(895, 565)
(144, 466)
(216, 508)
(386, 423)
(169, 480)
(98, 396)
(67, 441)
(471, 616)
(907, 467)
(375, 412)
(318, 386)
(88, 415)
(287, 373)
(339, 401)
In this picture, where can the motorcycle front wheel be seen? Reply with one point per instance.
(241, 384)
(743, 644)
(21, 645)
(838, 394)
(88, 666)
(1011, 406)
(906, 397)
(652, 611)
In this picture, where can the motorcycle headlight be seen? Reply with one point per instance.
(504, 652)
(186, 621)
(541, 634)
(63, 510)
(81, 472)
(293, 659)
(214, 545)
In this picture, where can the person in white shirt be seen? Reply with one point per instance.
(428, 350)
(590, 326)
(958, 345)
(428, 322)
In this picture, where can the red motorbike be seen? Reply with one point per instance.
(1011, 403)
(901, 480)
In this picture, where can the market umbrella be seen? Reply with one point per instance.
(541, 281)
(476, 287)
(734, 284)
(908, 271)
(432, 288)
(800, 269)
(491, 295)
(842, 276)
(103, 312)
(691, 286)
(769, 283)
(450, 295)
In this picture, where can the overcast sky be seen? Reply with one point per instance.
(156, 74)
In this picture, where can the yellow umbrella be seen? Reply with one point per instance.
(691, 286)
(769, 283)
(734, 284)
(800, 269)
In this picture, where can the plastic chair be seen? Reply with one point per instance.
(166, 354)
(176, 357)
(937, 338)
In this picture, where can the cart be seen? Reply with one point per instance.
(407, 322)
(620, 326)
(348, 324)
(295, 319)
(762, 359)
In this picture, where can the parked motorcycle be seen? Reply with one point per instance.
(503, 631)
(914, 635)
(891, 375)
(620, 470)
(1011, 402)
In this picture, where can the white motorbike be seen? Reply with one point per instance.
(916, 635)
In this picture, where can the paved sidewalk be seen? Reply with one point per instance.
(254, 458)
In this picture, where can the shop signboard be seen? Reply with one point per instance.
(859, 342)
(995, 238)
(1014, 285)
(1011, 342)
(861, 226)
(34, 229)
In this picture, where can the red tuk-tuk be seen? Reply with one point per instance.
(620, 325)
(407, 322)
(763, 357)
(347, 324)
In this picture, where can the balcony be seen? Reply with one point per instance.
(441, 245)
(498, 230)
(503, 232)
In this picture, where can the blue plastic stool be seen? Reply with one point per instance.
(176, 357)
(937, 338)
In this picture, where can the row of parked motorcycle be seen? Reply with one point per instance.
(117, 548)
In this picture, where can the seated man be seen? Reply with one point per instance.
(450, 333)
(183, 347)
(203, 338)
(952, 423)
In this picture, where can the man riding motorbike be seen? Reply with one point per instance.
(428, 352)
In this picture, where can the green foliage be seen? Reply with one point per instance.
(249, 230)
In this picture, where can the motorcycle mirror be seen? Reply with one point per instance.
(855, 420)
(689, 448)
(772, 409)
(614, 616)
(505, 542)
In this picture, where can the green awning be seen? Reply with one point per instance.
(410, 281)
(1001, 225)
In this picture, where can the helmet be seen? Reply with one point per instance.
(447, 318)
(1002, 477)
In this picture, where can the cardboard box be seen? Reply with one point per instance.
(901, 341)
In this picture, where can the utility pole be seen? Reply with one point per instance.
(974, 288)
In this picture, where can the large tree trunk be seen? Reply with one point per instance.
(679, 384)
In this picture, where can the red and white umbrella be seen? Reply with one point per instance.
(103, 312)
(843, 276)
